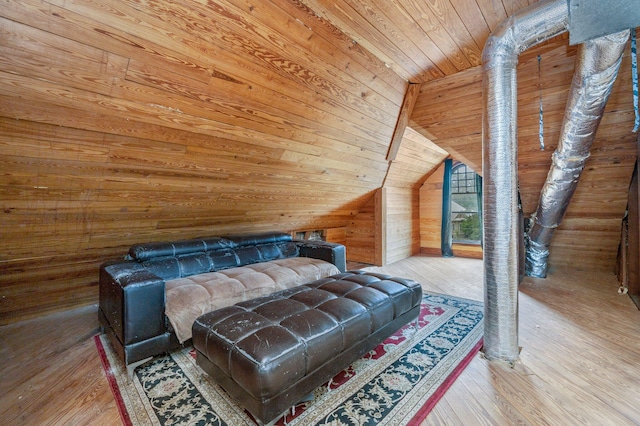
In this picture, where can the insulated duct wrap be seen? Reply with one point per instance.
(597, 67)
(524, 29)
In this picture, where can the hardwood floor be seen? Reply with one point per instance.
(580, 359)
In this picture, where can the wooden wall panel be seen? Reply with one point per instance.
(361, 234)
(417, 156)
(123, 122)
(337, 235)
(380, 226)
(416, 159)
(629, 267)
(402, 225)
(431, 212)
(449, 111)
(127, 121)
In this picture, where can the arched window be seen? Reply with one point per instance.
(461, 207)
(466, 224)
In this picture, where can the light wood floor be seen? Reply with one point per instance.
(580, 359)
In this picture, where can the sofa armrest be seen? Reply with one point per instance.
(330, 252)
(132, 300)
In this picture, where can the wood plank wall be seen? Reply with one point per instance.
(431, 213)
(376, 241)
(449, 111)
(123, 122)
(416, 159)
(402, 224)
(361, 233)
(629, 260)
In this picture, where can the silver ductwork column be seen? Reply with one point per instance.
(597, 67)
(526, 28)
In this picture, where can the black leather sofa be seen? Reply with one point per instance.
(132, 291)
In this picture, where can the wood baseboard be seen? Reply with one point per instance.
(431, 251)
(459, 250)
(472, 251)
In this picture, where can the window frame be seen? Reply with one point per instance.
(473, 181)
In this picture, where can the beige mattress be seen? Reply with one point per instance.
(188, 298)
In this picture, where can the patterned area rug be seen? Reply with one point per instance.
(397, 383)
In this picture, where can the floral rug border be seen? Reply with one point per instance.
(398, 383)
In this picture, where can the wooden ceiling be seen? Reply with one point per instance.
(136, 120)
(420, 40)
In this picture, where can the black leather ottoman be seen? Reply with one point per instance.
(270, 352)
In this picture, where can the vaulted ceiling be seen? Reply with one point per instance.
(213, 114)
(419, 40)
(133, 120)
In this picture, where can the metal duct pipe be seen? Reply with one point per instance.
(526, 28)
(597, 67)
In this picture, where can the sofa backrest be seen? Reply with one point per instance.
(178, 259)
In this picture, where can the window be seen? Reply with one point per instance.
(466, 226)
(316, 235)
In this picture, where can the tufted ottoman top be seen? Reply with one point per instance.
(267, 344)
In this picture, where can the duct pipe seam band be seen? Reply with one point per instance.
(537, 255)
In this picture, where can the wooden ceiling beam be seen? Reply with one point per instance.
(410, 97)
